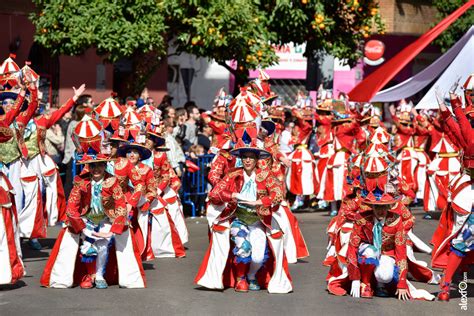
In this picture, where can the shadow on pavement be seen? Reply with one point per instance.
(30, 253)
(10, 287)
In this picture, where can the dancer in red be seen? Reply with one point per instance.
(453, 240)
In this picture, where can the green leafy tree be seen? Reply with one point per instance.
(456, 30)
(222, 30)
(116, 29)
(241, 31)
(339, 28)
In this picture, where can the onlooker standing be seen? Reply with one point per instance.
(165, 102)
(175, 154)
(191, 126)
(179, 131)
(64, 121)
(85, 100)
(70, 147)
(169, 111)
(54, 143)
(204, 137)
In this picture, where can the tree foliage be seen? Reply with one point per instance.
(116, 29)
(242, 31)
(456, 30)
(335, 27)
(222, 30)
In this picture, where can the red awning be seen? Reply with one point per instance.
(368, 87)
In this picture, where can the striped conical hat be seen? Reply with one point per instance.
(9, 66)
(147, 113)
(108, 109)
(109, 112)
(130, 117)
(88, 131)
(242, 109)
(380, 136)
(8, 72)
(444, 146)
(33, 74)
(375, 164)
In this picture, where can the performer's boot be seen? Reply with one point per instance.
(241, 284)
(88, 279)
(366, 274)
(453, 263)
(337, 287)
(35, 244)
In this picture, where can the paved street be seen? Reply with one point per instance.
(171, 289)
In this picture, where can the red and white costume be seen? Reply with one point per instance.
(216, 269)
(124, 266)
(420, 140)
(295, 245)
(10, 251)
(139, 186)
(40, 170)
(301, 177)
(441, 171)
(166, 213)
(407, 157)
(335, 174)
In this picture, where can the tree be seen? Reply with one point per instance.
(243, 30)
(456, 30)
(224, 31)
(338, 28)
(116, 29)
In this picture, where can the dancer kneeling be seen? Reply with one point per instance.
(97, 244)
(377, 249)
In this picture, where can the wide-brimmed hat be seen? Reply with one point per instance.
(8, 94)
(247, 142)
(144, 152)
(269, 126)
(156, 138)
(341, 114)
(91, 158)
(276, 113)
(325, 106)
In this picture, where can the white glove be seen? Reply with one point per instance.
(355, 289)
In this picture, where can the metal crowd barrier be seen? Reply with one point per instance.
(76, 169)
(195, 184)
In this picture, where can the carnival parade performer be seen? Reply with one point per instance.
(453, 240)
(249, 196)
(39, 171)
(139, 185)
(163, 233)
(10, 251)
(98, 232)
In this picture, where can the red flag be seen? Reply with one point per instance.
(368, 87)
